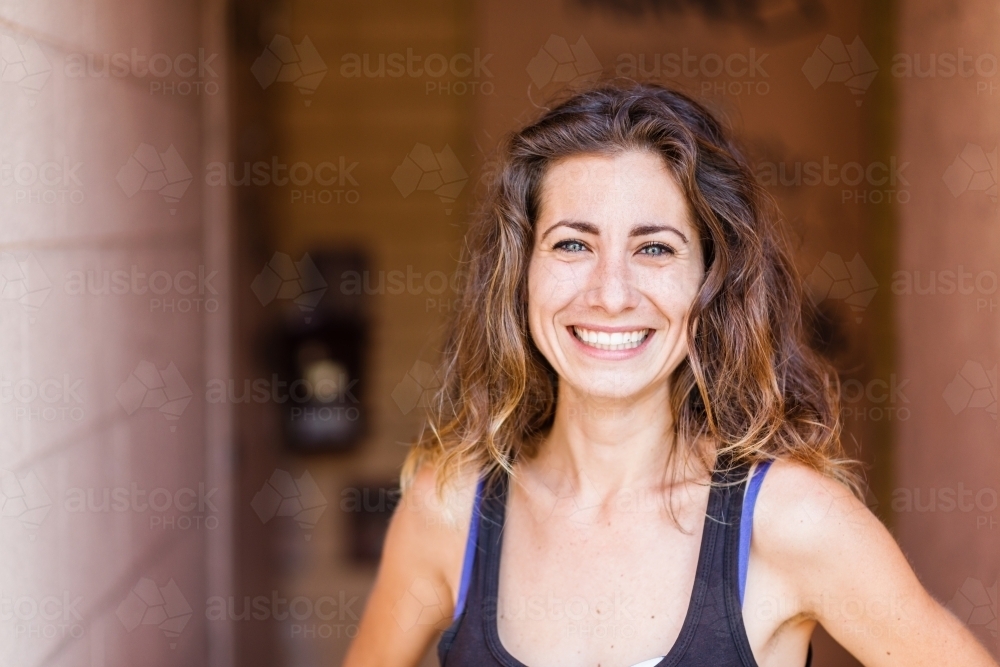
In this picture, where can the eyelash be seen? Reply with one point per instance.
(667, 250)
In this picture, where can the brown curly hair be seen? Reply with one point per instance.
(751, 384)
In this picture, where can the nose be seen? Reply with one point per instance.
(611, 287)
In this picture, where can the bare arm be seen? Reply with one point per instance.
(845, 570)
(414, 593)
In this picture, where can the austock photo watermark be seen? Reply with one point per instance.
(973, 603)
(455, 74)
(327, 182)
(52, 181)
(875, 400)
(838, 60)
(608, 614)
(874, 182)
(736, 73)
(51, 399)
(301, 616)
(438, 290)
(327, 397)
(55, 615)
(858, 614)
(182, 74)
(177, 291)
(183, 508)
(978, 504)
(975, 289)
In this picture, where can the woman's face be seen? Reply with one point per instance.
(615, 268)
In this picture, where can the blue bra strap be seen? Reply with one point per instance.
(746, 521)
(470, 552)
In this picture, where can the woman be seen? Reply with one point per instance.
(626, 364)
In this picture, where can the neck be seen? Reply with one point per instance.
(609, 444)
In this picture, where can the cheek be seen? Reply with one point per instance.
(675, 293)
(552, 285)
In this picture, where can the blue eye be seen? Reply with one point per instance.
(656, 249)
(570, 245)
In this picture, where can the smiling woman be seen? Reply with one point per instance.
(626, 364)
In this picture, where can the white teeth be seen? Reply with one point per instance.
(613, 341)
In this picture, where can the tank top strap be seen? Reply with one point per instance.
(755, 479)
(470, 551)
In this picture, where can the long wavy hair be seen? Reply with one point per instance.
(750, 383)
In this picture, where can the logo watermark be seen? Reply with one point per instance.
(973, 387)
(285, 279)
(22, 280)
(558, 62)
(851, 282)
(165, 173)
(423, 169)
(162, 606)
(22, 62)
(976, 605)
(834, 62)
(285, 62)
(284, 496)
(417, 388)
(149, 388)
(24, 498)
(973, 170)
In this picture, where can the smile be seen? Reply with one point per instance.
(618, 340)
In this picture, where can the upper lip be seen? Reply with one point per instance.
(604, 329)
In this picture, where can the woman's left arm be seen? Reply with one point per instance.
(846, 571)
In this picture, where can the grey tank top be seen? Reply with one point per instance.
(712, 634)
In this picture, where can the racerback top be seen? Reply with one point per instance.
(712, 634)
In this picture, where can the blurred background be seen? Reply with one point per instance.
(228, 242)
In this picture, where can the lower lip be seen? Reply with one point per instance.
(614, 355)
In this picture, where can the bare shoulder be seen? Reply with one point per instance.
(414, 593)
(431, 524)
(833, 561)
(446, 509)
(801, 512)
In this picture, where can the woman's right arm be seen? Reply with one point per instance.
(414, 593)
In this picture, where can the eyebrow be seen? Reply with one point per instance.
(639, 230)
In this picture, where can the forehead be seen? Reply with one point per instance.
(628, 187)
